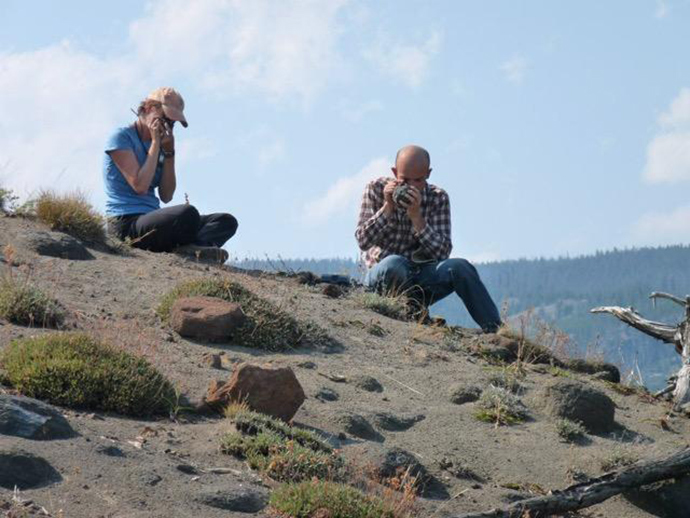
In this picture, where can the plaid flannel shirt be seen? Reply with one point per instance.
(379, 235)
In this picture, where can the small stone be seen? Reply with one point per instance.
(187, 469)
(32, 419)
(55, 244)
(358, 426)
(274, 391)
(596, 368)
(110, 451)
(395, 423)
(213, 360)
(461, 394)
(327, 394)
(206, 318)
(307, 365)
(574, 400)
(240, 499)
(333, 291)
(25, 471)
(367, 383)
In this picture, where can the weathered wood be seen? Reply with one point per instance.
(658, 330)
(594, 491)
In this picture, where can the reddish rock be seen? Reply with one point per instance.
(206, 318)
(274, 391)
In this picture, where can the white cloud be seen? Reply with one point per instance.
(278, 48)
(664, 228)
(514, 69)
(356, 112)
(661, 9)
(345, 193)
(407, 63)
(668, 154)
(271, 153)
(58, 105)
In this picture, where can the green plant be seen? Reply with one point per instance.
(393, 306)
(619, 457)
(499, 406)
(78, 371)
(507, 378)
(281, 452)
(267, 326)
(72, 214)
(570, 431)
(320, 499)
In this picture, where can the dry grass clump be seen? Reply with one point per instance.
(267, 326)
(392, 306)
(508, 379)
(501, 407)
(315, 499)
(282, 453)
(570, 431)
(621, 456)
(77, 371)
(72, 214)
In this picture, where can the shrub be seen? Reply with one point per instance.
(283, 453)
(619, 457)
(497, 405)
(77, 371)
(506, 378)
(72, 214)
(393, 306)
(267, 326)
(570, 431)
(318, 498)
(24, 304)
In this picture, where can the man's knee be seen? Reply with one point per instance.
(229, 224)
(394, 271)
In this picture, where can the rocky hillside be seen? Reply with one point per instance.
(480, 427)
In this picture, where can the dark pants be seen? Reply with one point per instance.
(164, 229)
(431, 282)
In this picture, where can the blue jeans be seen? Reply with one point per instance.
(434, 281)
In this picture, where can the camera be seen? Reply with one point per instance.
(402, 196)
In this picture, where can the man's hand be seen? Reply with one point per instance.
(388, 203)
(414, 209)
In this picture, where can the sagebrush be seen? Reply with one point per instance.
(24, 304)
(501, 407)
(78, 371)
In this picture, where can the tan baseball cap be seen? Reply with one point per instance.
(172, 102)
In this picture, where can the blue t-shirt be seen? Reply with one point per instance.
(121, 199)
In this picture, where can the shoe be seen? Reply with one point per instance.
(204, 254)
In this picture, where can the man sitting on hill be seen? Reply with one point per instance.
(404, 233)
(139, 159)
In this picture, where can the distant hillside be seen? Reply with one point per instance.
(563, 290)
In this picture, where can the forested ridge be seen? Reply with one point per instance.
(563, 290)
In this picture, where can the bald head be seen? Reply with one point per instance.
(412, 165)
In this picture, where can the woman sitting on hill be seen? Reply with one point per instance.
(140, 158)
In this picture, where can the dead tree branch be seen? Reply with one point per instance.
(594, 491)
(658, 330)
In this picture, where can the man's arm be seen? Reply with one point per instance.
(435, 235)
(373, 218)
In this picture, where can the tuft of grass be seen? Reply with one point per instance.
(70, 213)
(327, 499)
(506, 378)
(570, 431)
(78, 371)
(23, 304)
(619, 457)
(267, 326)
(499, 406)
(278, 450)
(392, 306)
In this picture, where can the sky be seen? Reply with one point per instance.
(557, 128)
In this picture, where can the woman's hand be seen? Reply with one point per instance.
(157, 130)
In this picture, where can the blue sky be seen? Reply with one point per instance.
(557, 128)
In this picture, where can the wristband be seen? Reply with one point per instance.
(168, 154)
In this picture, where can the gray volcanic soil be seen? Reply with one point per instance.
(120, 467)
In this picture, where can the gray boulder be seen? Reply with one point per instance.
(32, 419)
(25, 471)
(55, 244)
(367, 383)
(577, 401)
(240, 499)
(461, 394)
(396, 423)
(358, 426)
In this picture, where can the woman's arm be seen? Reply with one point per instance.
(139, 177)
(166, 188)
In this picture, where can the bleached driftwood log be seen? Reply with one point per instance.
(678, 335)
(596, 490)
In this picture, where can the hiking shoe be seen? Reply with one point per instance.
(205, 254)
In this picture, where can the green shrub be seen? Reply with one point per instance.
(267, 326)
(24, 304)
(386, 305)
(281, 452)
(619, 457)
(318, 498)
(506, 378)
(497, 405)
(72, 214)
(570, 431)
(77, 371)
